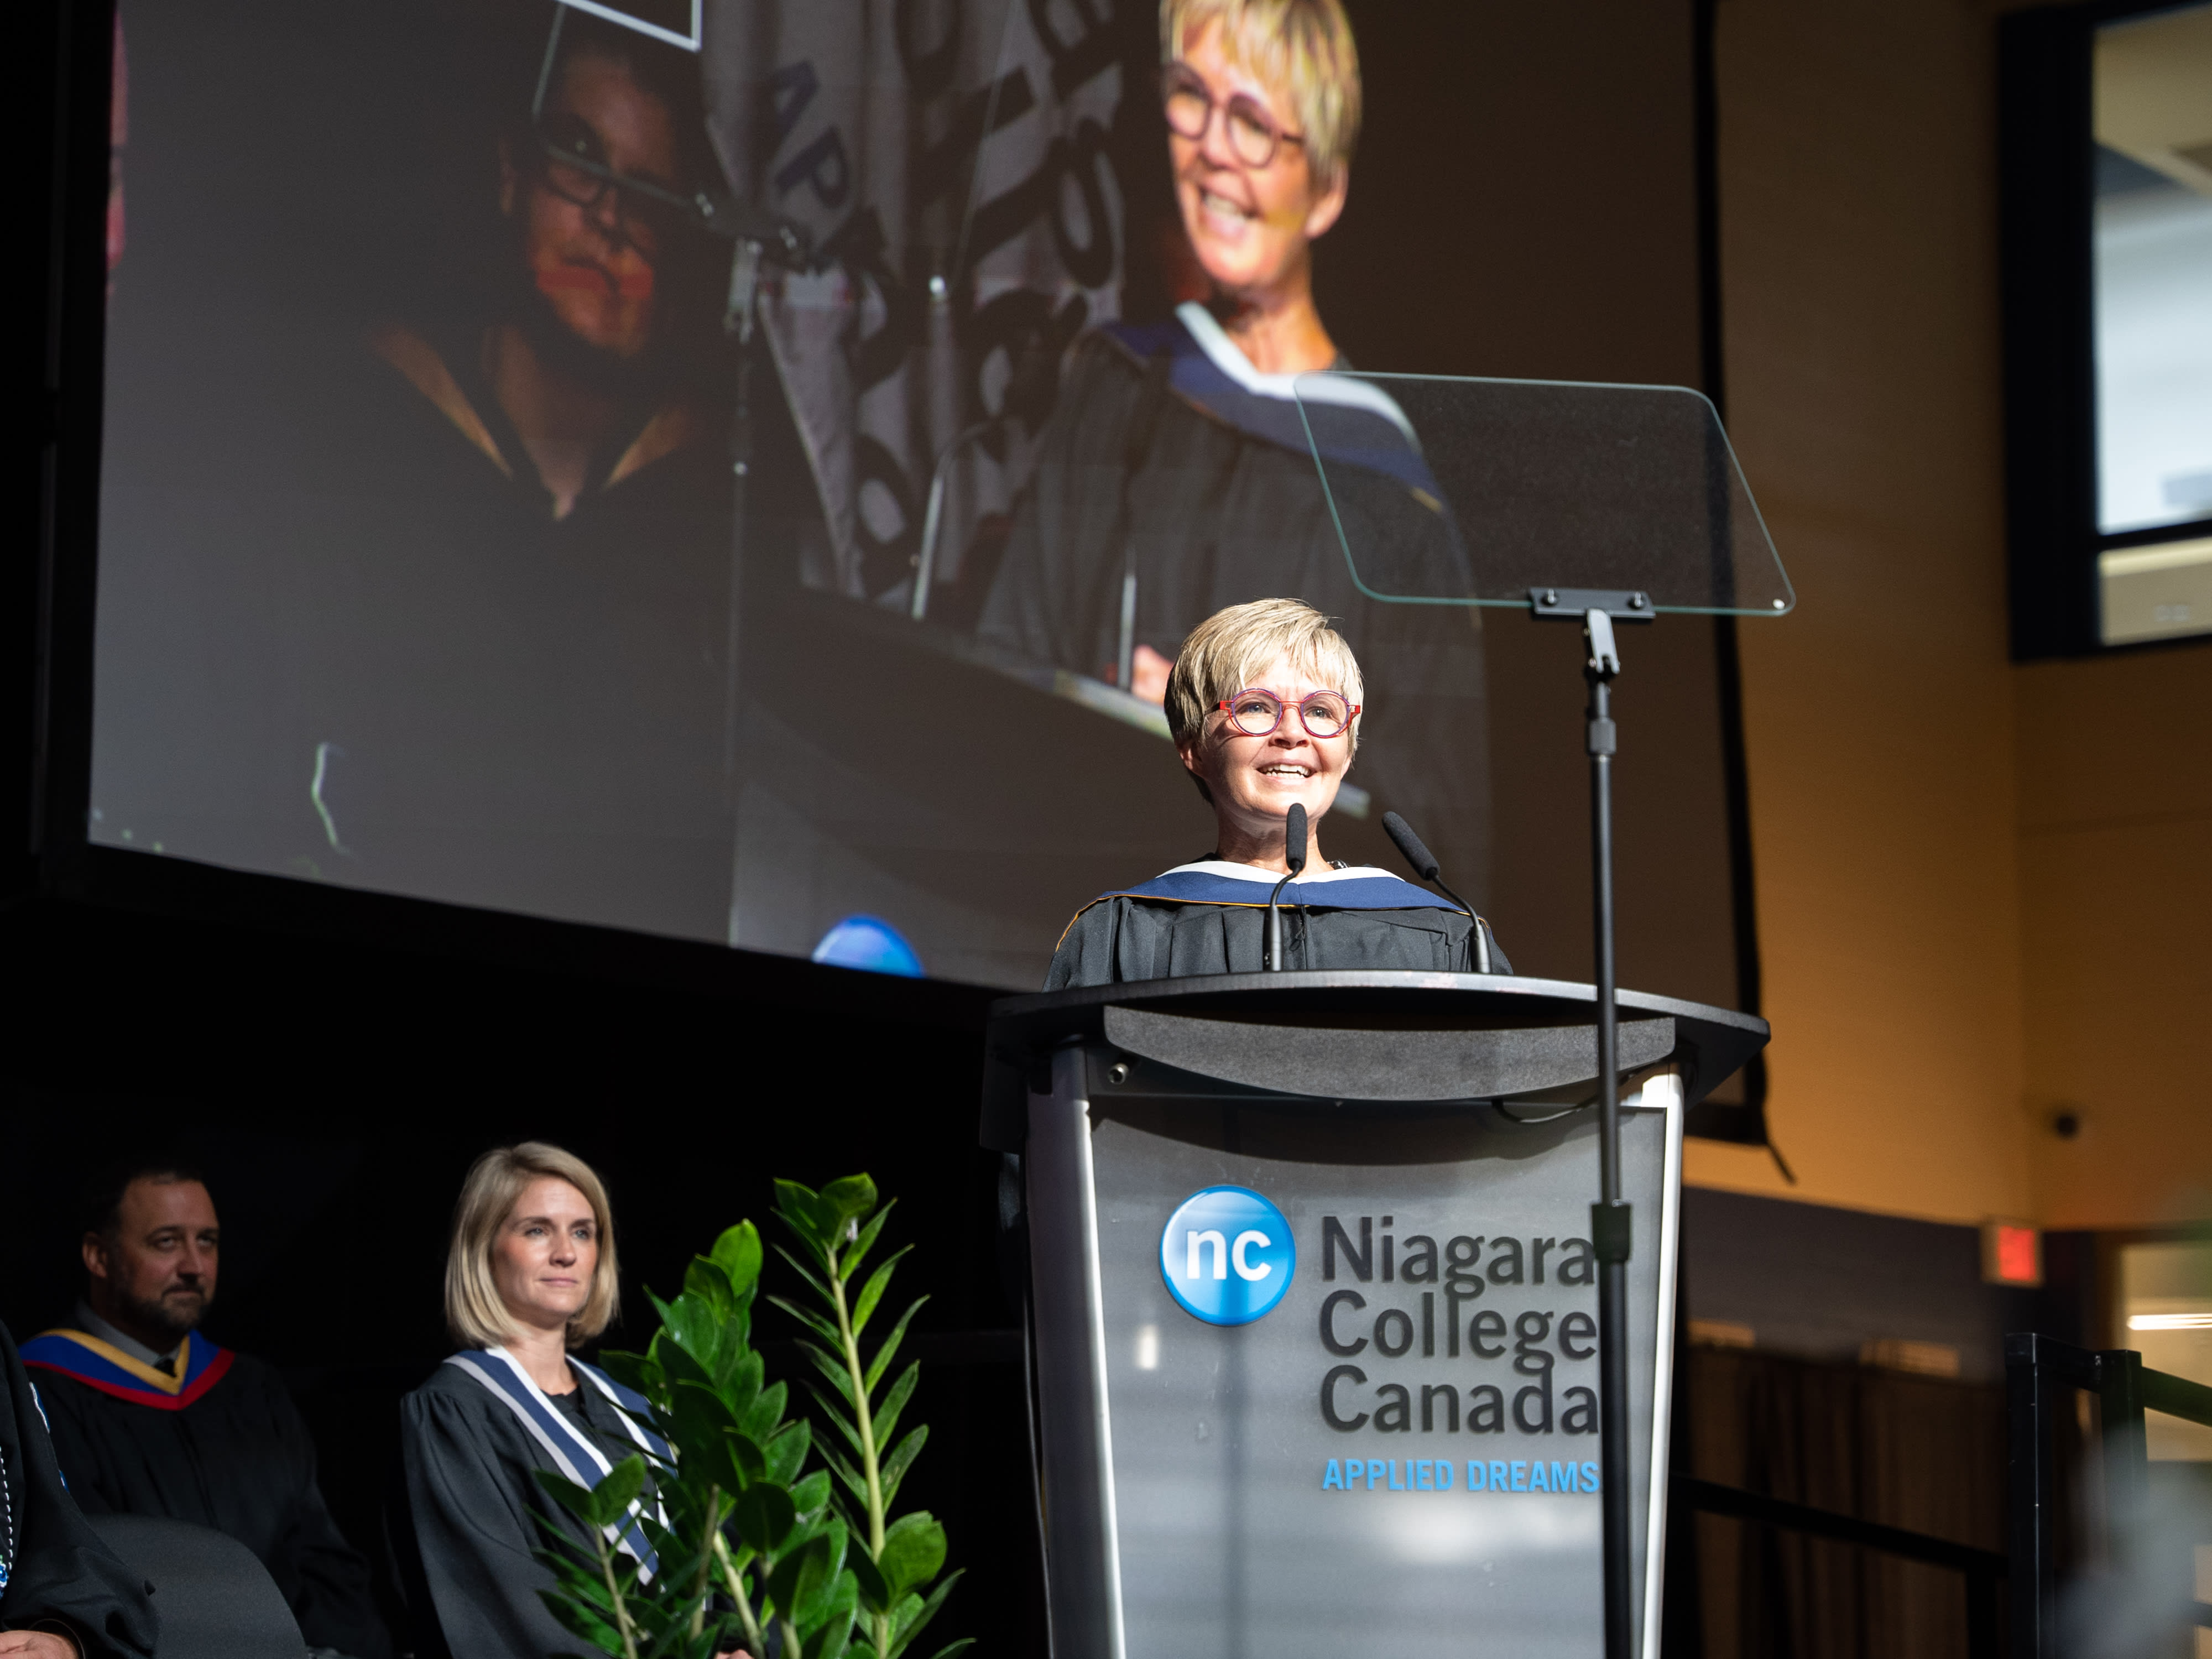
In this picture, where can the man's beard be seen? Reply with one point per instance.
(172, 1315)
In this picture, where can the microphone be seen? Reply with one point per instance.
(1294, 854)
(1425, 866)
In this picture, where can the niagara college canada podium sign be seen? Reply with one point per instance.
(1312, 1305)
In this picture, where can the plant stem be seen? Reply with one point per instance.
(866, 1423)
(734, 1582)
(706, 1560)
(627, 1631)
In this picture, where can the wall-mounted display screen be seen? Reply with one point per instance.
(484, 520)
(2153, 253)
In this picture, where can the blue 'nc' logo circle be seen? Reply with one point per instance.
(1227, 1255)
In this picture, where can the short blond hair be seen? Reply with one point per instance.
(1302, 47)
(475, 1314)
(1231, 649)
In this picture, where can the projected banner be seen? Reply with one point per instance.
(474, 529)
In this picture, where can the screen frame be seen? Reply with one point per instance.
(51, 600)
(2046, 128)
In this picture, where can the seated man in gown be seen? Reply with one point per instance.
(150, 1418)
(1265, 706)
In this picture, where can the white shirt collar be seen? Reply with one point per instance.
(1328, 388)
(1255, 872)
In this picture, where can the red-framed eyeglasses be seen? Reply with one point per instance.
(1257, 712)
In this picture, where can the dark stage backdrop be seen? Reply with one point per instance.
(335, 1098)
(1525, 203)
(354, 630)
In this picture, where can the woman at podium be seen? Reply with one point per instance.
(1264, 703)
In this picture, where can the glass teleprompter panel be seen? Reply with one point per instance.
(1456, 491)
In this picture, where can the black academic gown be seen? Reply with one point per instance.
(1156, 463)
(1166, 929)
(471, 1496)
(237, 1459)
(53, 1568)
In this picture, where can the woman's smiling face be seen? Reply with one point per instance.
(1255, 780)
(1249, 226)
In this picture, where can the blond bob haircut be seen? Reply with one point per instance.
(1227, 653)
(1303, 48)
(475, 1315)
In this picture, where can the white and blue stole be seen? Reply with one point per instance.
(575, 1454)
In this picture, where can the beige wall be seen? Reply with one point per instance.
(1976, 883)
(2116, 883)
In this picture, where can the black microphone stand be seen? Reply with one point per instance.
(1610, 1230)
(1424, 864)
(1294, 855)
(759, 237)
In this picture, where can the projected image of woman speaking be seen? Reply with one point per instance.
(1177, 476)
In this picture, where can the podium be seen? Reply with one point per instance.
(1312, 1305)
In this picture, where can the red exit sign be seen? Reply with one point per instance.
(2012, 1252)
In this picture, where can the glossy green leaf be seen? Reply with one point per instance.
(876, 1596)
(764, 1411)
(913, 1552)
(678, 1365)
(929, 1611)
(873, 1291)
(895, 1399)
(881, 1363)
(800, 1209)
(707, 1282)
(833, 1409)
(857, 1251)
(907, 1609)
(798, 1573)
(640, 1371)
(832, 1616)
(831, 1367)
(746, 1458)
(737, 1253)
(849, 1198)
(812, 1494)
(742, 1390)
(784, 1452)
(764, 1516)
(698, 1330)
(891, 1470)
(817, 1599)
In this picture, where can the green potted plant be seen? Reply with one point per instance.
(744, 1545)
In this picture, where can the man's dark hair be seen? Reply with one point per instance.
(99, 1201)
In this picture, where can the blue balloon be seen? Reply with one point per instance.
(869, 943)
(1227, 1255)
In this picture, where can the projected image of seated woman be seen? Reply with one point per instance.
(1177, 475)
(1264, 700)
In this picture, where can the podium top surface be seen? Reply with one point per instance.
(1372, 1036)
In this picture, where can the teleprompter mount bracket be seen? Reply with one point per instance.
(1573, 603)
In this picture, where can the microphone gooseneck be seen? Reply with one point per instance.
(1424, 865)
(1294, 855)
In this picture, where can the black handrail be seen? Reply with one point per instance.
(2036, 1369)
(1713, 1498)
(1982, 1568)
